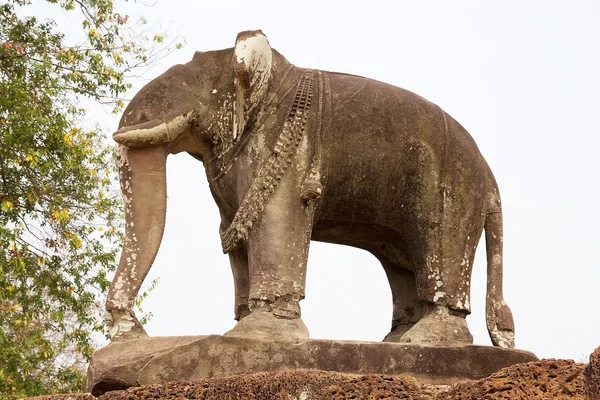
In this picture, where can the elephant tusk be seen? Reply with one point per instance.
(153, 132)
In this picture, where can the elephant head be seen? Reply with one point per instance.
(201, 107)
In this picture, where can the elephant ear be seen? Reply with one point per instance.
(252, 64)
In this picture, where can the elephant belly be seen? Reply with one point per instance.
(379, 198)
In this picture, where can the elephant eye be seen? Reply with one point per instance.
(143, 118)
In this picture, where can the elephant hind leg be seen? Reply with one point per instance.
(407, 309)
(241, 281)
(443, 280)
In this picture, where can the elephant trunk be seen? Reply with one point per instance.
(143, 184)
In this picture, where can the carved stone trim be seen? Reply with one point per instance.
(272, 169)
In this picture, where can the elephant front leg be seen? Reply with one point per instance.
(277, 255)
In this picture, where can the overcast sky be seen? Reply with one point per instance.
(522, 77)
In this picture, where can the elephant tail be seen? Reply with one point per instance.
(499, 318)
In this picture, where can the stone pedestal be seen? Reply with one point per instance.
(188, 358)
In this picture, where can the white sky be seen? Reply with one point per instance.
(522, 77)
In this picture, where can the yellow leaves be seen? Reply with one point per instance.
(74, 241)
(75, 133)
(158, 38)
(68, 139)
(94, 34)
(32, 159)
(6, 206)
(68, 55)
(100, 17)
(119, 106)
(8, 379)
(117, 57)
(60, 215)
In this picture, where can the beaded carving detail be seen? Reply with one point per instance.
(272, 169)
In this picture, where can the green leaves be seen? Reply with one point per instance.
(60, 215)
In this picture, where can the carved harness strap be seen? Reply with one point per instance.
(272, 169)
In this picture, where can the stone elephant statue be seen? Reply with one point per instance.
(294, 155)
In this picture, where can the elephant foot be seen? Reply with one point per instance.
(241, 311)
(123, 325)
(439, 325)
(265, 325)
(396, 334)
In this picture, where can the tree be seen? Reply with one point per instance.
(60, 216)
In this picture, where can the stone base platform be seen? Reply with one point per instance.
(145, 361)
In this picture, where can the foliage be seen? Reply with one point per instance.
(60, 217)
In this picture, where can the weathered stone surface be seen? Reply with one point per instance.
(546, 379)
(71, 396)
(283, 385)
(146, 361)
(592, 376)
